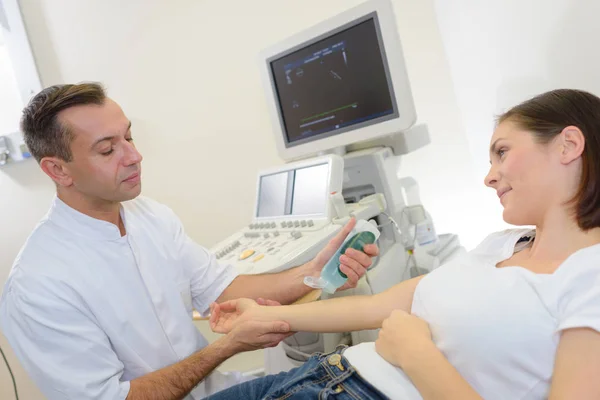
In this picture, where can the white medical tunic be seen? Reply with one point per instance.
(87, 310)
(499, 327)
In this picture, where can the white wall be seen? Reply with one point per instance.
(185, 72)
(501, 53)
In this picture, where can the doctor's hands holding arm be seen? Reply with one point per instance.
(245, 329)
(177, 380)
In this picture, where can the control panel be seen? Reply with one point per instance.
(298, 209)
(273, 246)
(276, 245)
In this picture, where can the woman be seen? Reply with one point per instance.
(516, 318)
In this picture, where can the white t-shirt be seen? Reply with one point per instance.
(87, 310)
(499, 327)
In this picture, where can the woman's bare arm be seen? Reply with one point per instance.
(577, 365)
(343, 314)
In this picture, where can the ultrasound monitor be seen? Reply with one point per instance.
(341, 82)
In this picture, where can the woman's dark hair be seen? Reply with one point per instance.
(545, 116)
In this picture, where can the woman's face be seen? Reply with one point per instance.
(530, 178)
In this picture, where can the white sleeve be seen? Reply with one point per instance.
(579, 303)
(61, 348)
(208, 277)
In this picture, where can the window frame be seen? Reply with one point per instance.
(16, 41)
(19, 49)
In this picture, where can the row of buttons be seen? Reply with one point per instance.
(284, 224)
(254, 235)
(296, 224)
(265, 235)
(247, 253)
(263, 225)
(228, 249)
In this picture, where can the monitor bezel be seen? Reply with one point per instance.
(404, 115)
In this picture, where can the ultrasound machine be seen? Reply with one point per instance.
(342, 113)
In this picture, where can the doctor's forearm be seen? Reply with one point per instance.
(177, 381)
(284, 287)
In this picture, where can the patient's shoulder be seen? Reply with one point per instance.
(497, 241)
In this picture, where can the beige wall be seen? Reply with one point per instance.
(186, 74)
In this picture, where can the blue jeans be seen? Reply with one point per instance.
(321, 377)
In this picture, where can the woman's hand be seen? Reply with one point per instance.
(402, 337)
(225, 316)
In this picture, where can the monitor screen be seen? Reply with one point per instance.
(337, 83)
(274, 197)
(298, 192)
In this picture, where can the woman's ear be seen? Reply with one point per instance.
(572, 144)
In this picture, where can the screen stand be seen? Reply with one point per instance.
(401, 143)
(340, 151)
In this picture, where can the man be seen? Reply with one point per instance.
(98, 303)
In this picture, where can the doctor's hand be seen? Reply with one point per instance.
(245, 327)
(353, 263)
(253, 335)
(225, 316)
(403, 338)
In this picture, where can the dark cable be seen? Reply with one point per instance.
(11, 374)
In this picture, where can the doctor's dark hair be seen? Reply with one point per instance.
(44, 134)
(545, 116)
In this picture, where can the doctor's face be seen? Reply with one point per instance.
(525, 174)
(106, 166)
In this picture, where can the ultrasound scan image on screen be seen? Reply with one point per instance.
(337, 82)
